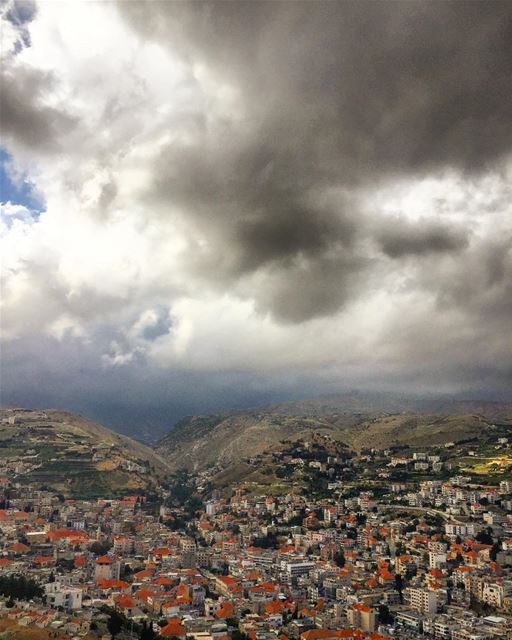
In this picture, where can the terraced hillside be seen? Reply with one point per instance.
(74, 455)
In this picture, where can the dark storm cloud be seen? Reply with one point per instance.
(244, 191)
(334, 95)
(370, 86)
(256, 205)
(313, 288)
(24, 118)
(401, 238)
(234, 197)
(144, 402)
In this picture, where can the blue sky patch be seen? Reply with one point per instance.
(17, 191)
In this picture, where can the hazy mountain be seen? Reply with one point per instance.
(351, 402)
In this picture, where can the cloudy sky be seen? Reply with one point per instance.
(217, 204)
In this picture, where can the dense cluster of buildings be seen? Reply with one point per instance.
(430, 558)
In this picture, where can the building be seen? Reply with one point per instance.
(296, 569)
(422, 599)
(59, 595)
(362, 617)
(107, 568)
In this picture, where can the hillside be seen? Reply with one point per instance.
(414, 430)
(74, 455)
(201, 441)
(206, 441)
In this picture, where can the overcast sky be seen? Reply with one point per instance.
(216, 204)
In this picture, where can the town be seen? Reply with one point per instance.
(381, 544)
(255, 320)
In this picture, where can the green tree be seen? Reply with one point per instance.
(269, 541)
(65, 564)
(114, 624)
(147, 632)
(385, 616)
(399, 586)
(19, 587)
(484, 536)
(99, 548)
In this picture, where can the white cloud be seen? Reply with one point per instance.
(104, 256)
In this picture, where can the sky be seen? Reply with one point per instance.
(213, 205)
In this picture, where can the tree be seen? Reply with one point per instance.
(339, 559)
(65, 564)
(147, 632)
(269, 541)
(399, 586)
(99, 548)
(114, 624)
(385, 615)
(127, 571)
(484, 536)
(493, 553)
(232, 622)
(19, 587)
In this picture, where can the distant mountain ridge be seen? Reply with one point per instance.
(371, 402)
(75, 455)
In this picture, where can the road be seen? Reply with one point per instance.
(428, 510)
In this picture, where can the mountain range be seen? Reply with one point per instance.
(75, 455)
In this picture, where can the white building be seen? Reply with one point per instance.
(59, 595)
(422, 599)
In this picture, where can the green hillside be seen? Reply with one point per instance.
(74, 455)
